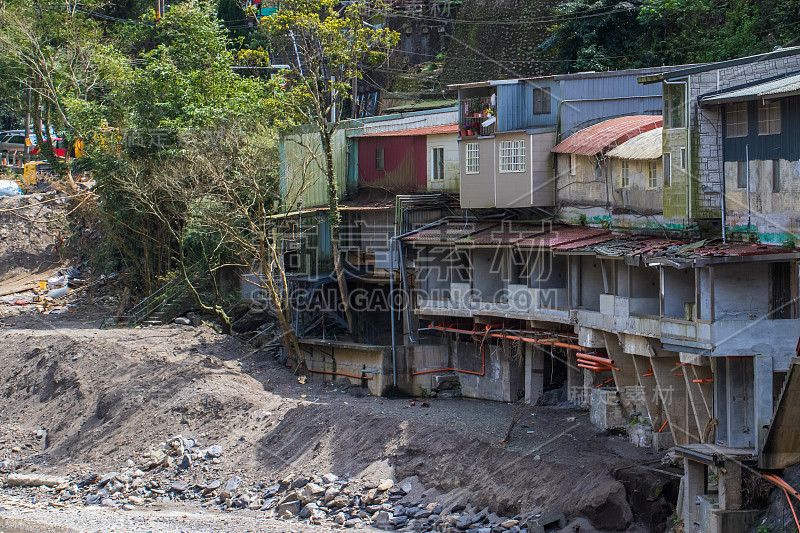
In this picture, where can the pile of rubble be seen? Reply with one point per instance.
(165, 475)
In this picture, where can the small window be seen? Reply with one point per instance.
(769, 118)
(624, 173)
(667, 169)
(652, 175)
(683, 158)
(437, 159)
(776, 175)
(541, 101)
(573, 165)
(741, 174)
(512, 156)
(736, 120)
(379, 159)
(598, 171)
(473, 161)
(674, 106)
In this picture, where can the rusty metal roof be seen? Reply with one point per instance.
(678, 252)
(585, 240)
(414, 132)
(644, 146)
(607, 134)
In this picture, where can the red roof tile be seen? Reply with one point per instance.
(608, 134)
(429, 130)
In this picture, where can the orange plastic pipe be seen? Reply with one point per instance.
(647, 374)
(483, 356)
(663, 426)
(595, 368)
(595, 358)
(704, 380)
(794, 514)
(603, 383)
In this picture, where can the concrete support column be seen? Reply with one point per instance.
(730, 486)
(694, 485)
(672, 391)
(701, 396)
(626, 375)
(649, 389)
(762, 372)
(534, 373)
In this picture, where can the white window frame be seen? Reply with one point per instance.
(624, 173)
(652, 175)
(769, 118)
(434, 166)
(380, 158)
(472, 158)
(683, 158)
(573, 164)
(512, 156)
(667, 168)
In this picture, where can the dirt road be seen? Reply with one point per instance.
(77, 399)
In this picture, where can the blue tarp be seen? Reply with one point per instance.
(9, 188)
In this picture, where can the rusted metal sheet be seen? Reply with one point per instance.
(782, 444)
(607, 135)
(404, 163)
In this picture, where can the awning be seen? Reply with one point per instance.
(607, 135)
(644, 146)
(775, 88)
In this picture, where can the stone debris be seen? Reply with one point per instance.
(169, 473)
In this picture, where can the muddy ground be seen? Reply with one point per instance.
(106, 396)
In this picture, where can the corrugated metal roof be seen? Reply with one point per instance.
(644, 146)
(785, 86)
(429, 130)
(678, 252)
(607, 134)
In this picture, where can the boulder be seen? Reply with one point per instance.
(289, 509)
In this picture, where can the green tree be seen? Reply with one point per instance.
(328, 44)
(55, 62)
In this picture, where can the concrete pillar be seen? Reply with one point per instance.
(694, 485)
(701, 396)
(626, 375)
(649, 392)
(672, 391)
(730, 486)
(534, 373)
(762, 373)
(574, 379)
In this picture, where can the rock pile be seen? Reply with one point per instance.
(176, 472)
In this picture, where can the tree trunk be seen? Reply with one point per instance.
(289, 335)
(334, 217)
(46, 146)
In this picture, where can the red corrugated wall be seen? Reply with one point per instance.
(405, 163)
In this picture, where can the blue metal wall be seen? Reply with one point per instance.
(515, 104)
(785, 145)
(593, 98)
(577, 100)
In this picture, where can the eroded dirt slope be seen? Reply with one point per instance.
(106, 396)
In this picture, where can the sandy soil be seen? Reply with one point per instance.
(107, 396)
